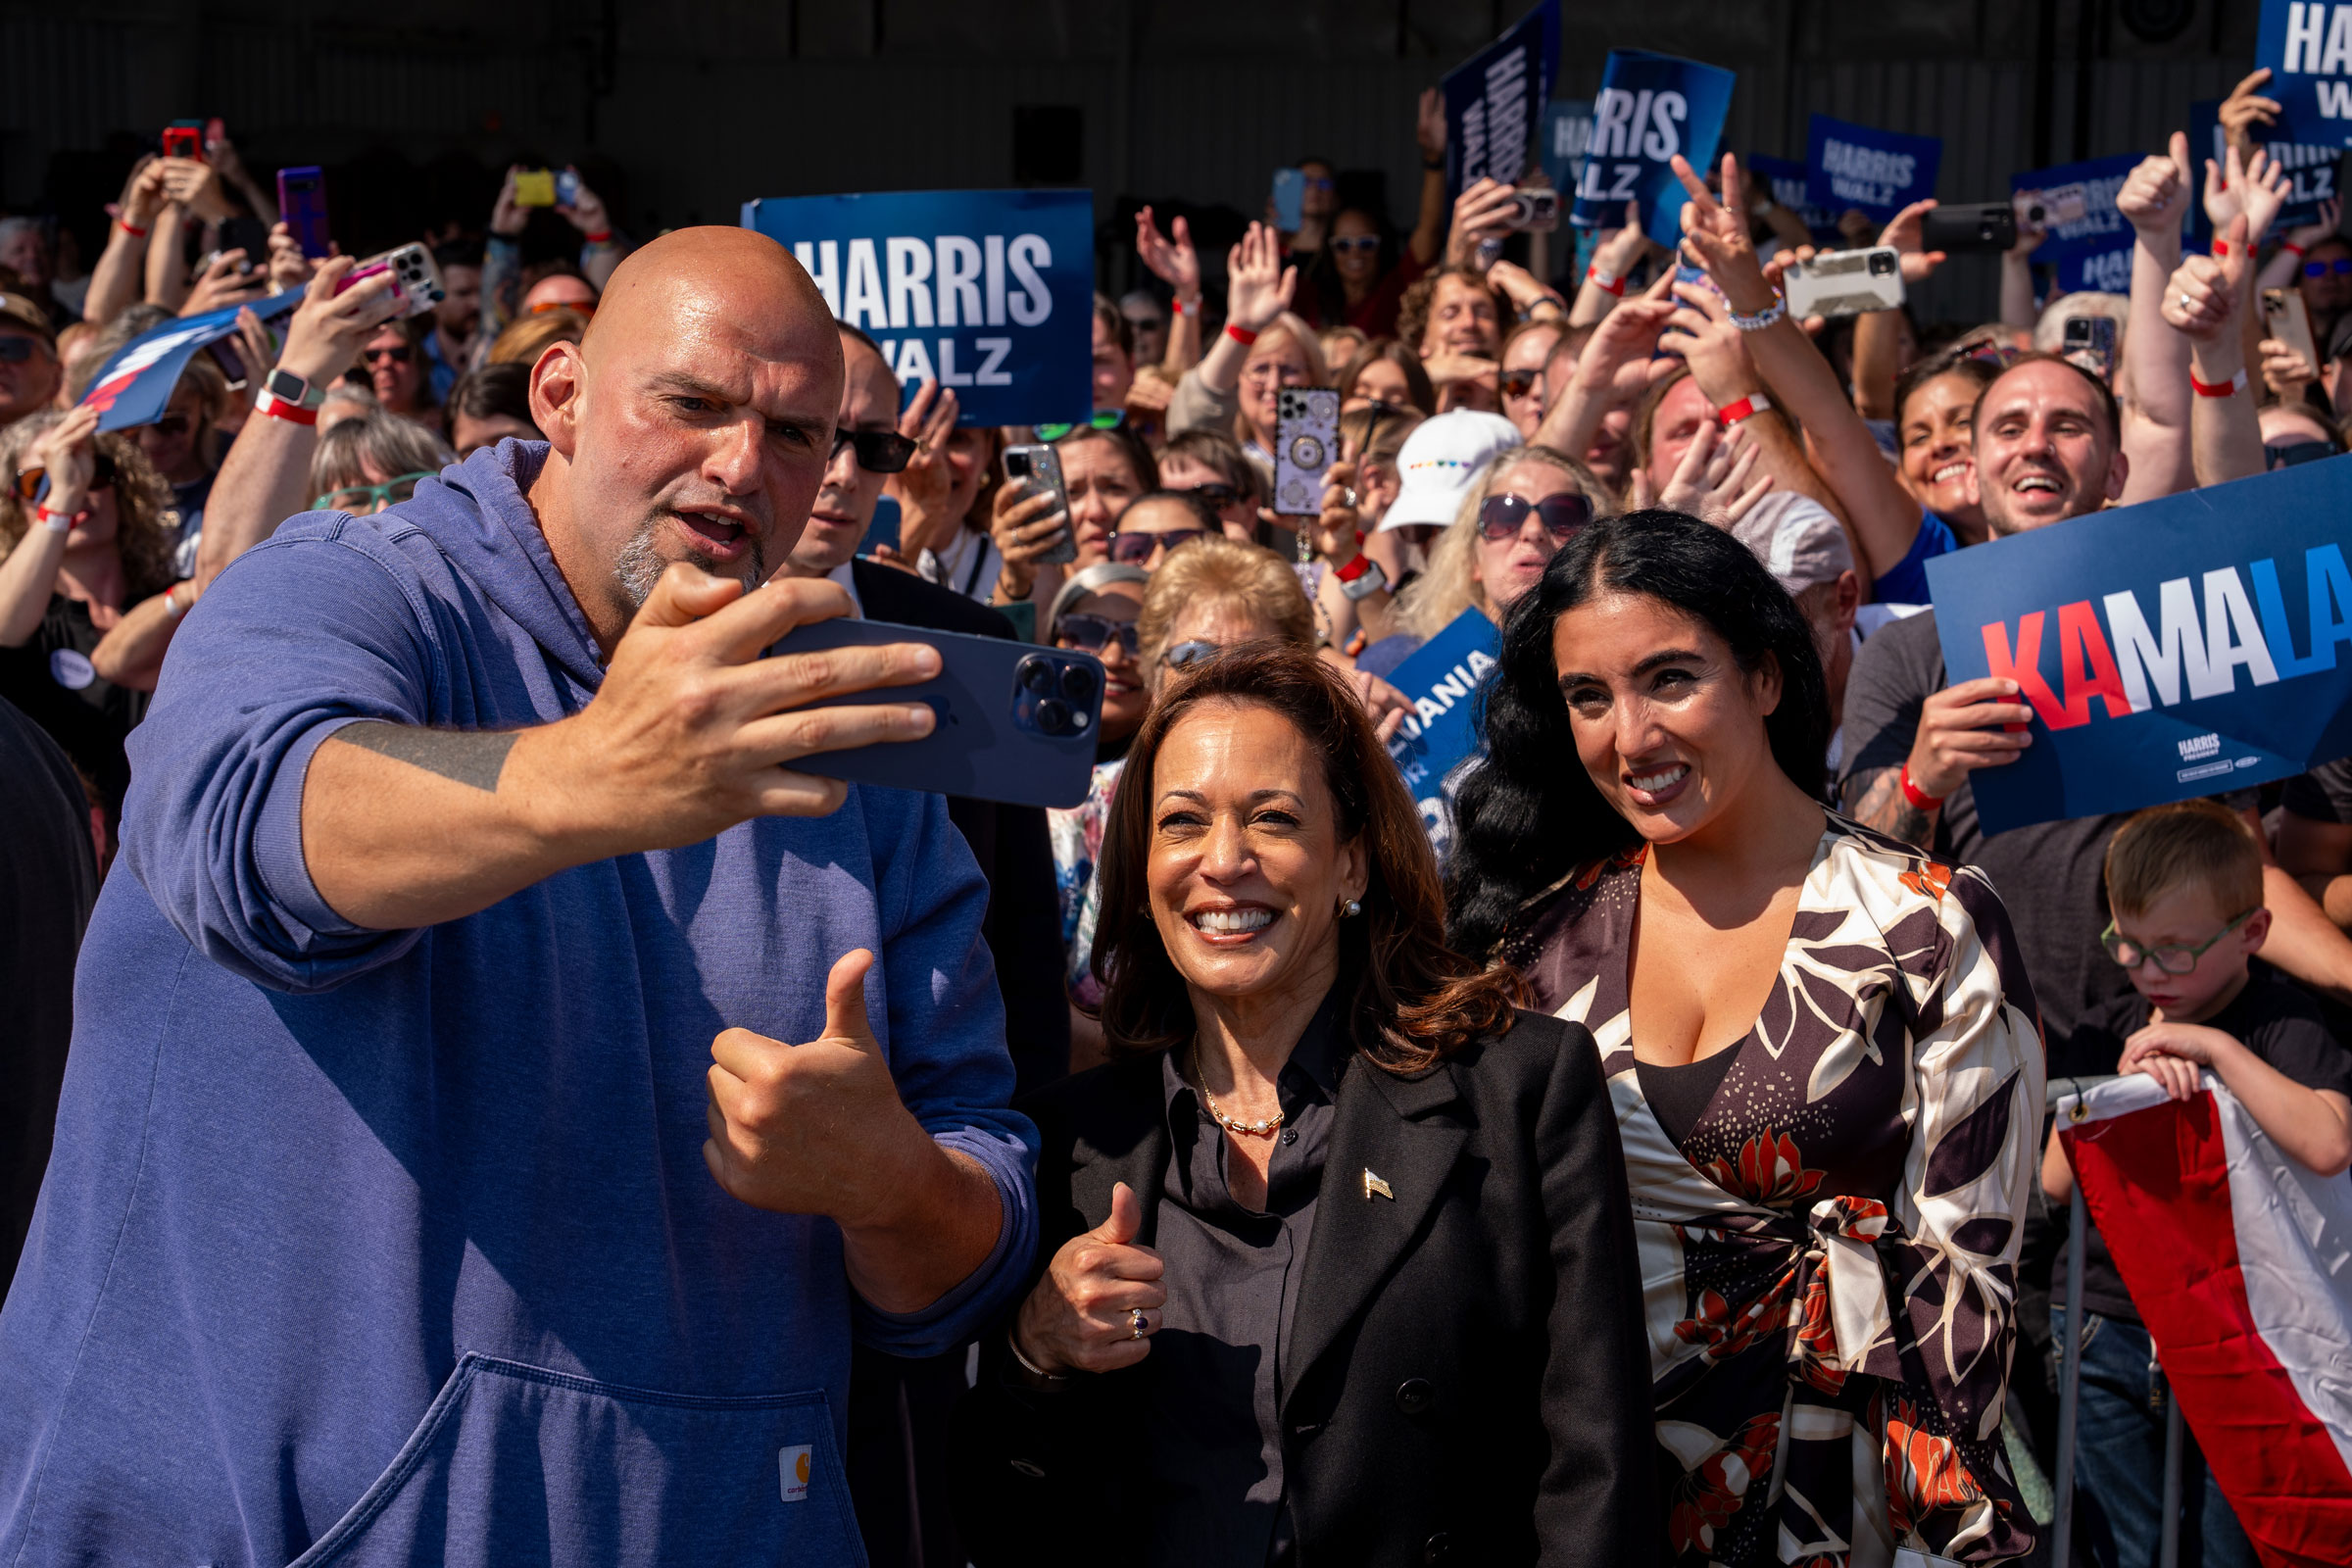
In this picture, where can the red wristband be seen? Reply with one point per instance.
(2208, 389)
(1239, 334)
(278, 407)
(1606, 283)
(134, 234)
(605, 238)
(1921, 799)
(2221, 247)
(2293, 249)
(1731, 414)
(1354, 568)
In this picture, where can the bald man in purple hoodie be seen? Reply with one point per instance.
(500, 1084)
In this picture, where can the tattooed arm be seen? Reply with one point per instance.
(1875, 798)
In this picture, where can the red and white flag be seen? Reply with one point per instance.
(2240, 1262)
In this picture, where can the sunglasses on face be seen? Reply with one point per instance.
(878, 451)
(174, 425)
(398, 354)
(1099, 420)
(32, 484)
(1518, 383)
(1130, 549)
(2171, 960)
(1189, 652)
(2287, 454)
(15, 349)
(362, 499)
(1354, 244)
(2339, 267)
(1093, 633)
(1144, 323)
(584, 306)
(1217, 496)
(1501, 517)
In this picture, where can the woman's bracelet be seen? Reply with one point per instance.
(1772, 315)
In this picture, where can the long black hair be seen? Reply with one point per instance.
(1528, 815)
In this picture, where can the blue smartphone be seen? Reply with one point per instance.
(302, 204)
(883, 530)
(1017, 721)
(568, 188)
(1290, 200)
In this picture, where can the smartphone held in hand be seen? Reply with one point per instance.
(1306, 438)
(416, 279)
(1039, 467)
(1975, 226)
(185, 138)
(534, 187)
(1534, 212)
(1015, 722)
(1839, 284)
(2090, 344)
(1290, 200)
(302, 205)
(2285, 318)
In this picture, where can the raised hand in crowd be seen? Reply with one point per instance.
(289, 268)
(2286, 263)
(925, 488)
(1879, 336)
(1615, 255)
(1026, 522)
(1259, 287)
(2152, 379)
(196, 187)
(66, 453)
(1481, 213)
(1616, 369)
(230, 279)
(1712, 480)
(1171, 259)
(265, 476)
(1529, 294)
(2206, 300)
(2244, 109)
(120, 279)
(602, 247)
(1905, 233)
(2285, 371)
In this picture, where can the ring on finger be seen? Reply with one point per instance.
(1137, 1322)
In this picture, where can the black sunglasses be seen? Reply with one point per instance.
(1093, 633)
(1217, 496)
(878, 451)
(1131, 549)
(2287, 454)
(1518, 383)
(1343, 243)
(15, 349)
(1500, 518)
(398, 354)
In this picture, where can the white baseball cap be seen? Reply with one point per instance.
(1439, 460)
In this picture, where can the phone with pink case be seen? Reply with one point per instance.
(415, 280)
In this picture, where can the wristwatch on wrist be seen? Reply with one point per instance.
(1360, 577)
(287, 387)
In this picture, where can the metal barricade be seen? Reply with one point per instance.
(2069, 1379)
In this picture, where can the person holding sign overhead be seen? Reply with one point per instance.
(1341, 1267)
(1829, 1174)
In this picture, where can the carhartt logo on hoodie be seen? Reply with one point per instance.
(792, 1472)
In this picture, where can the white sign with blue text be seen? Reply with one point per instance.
(990, 292)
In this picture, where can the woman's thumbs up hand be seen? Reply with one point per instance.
(1082, 1315)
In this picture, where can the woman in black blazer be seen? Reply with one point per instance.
(1338, 1260)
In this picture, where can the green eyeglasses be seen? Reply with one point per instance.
(2171, 960)
(1102, 419)
(360, 500)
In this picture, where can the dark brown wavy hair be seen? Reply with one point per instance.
(146, 530)
(1407, 1001)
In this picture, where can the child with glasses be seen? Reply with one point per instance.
(2185, 887)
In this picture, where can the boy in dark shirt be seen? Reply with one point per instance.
(2184, 888)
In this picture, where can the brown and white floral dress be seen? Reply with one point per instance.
(1829, 1218)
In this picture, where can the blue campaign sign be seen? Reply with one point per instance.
(2312, 169)
(1786, 178)
(135, 386)
(2308, 46)
(1650, 107)
(990, 292)
(1878, 172)
(1495, 100)
(2176, 648)
(1567, 132)
(1442, 679)
(2093, 247)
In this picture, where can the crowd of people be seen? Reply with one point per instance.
(497, 1086)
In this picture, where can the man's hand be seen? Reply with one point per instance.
(1978, 723)
(1907, 234)
(2154, 197)
(1715, 350)
(2244, 109)
(325, 332)
(1483, 211)
(1711, 481)
(1258, 286)
(1522, 287)
(195, 186)
(1173, 262)
(1715, 234)
(815, 1128)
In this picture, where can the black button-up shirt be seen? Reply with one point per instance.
(1233, 1278)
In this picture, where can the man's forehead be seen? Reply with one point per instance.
(2042, 384)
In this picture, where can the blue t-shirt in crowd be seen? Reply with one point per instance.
(400, 1245)
(1906, 581)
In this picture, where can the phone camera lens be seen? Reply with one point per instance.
(1881, 265)
(1078, 683)
(1036, 674)
(1053, 716)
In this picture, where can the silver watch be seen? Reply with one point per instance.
(1370, 581)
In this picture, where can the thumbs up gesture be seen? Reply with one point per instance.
(1082, 1315)
(819, 1128)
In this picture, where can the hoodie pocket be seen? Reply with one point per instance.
(515, 1464)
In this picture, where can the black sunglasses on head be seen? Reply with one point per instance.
(1500, 518)
(1093, 633)
(878, 451)
(1131, 549)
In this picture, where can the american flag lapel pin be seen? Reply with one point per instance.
(1373, 1184)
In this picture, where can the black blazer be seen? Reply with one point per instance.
(1024, 928)
(1466, 1381)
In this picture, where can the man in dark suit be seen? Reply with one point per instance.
(897, 1408)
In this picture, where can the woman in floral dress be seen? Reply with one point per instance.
(1821, 1045)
